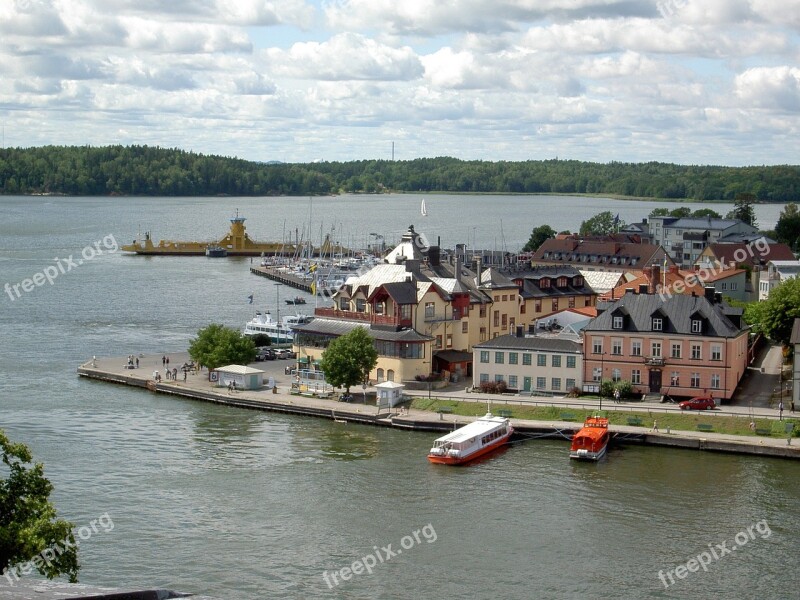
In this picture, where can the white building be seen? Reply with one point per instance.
(777, 271)
(547, 365)
(685, 238)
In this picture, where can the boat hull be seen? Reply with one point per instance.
(460, 460)
(588, 455)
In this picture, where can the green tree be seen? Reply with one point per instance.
(29, 522)
(775, 316)
(681, 211)
(788, 228)
(349, 358)
(659, 212)
(217, 346)
(706, 212)
(601, 224)
(538, 237)
(743, 209)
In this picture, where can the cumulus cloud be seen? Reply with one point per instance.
(770, 88)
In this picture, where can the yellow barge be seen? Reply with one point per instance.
(235, 243)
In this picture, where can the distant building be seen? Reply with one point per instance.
(685, 238)
(777, 272)
(603, 254)
(751, 256)
(729, 282)
(684, 345)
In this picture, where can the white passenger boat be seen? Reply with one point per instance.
(471, 441)
(279, 333)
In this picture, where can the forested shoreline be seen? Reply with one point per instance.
(154, 171)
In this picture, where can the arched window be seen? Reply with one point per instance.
(390, 375)
(380, 375)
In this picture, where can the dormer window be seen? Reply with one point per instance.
(697, 326)
(577, 281)
(658, 324)
(562, 282)
(616, 322)
(544, 283)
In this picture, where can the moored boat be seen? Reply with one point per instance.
(279, 332)
(591, 442)
(471, 441)
(216, 252)
(296, 300)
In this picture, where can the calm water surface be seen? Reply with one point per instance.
(242, 504)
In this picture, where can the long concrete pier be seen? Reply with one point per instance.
(282, 277)
(198, 387)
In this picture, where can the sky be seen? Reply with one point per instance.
(683, 81)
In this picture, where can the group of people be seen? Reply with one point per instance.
(231, 386)
(133, 360)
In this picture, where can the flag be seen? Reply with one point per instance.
(314, 287)
(312, 268)
(250, 299)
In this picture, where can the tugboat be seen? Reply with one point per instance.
(471, 441)
(591, 442)
(296, 300)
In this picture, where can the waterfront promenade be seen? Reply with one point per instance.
(197, 386)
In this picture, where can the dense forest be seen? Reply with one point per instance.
(146, 170)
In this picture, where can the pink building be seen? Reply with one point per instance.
(682, 346)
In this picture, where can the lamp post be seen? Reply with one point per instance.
(602, 358)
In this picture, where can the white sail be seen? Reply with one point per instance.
(422, 209)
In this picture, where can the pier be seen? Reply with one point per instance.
(282, 277)
(198, 387)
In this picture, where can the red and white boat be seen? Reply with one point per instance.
(591, 442)
(471, 441)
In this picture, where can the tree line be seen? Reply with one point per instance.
(148, 170)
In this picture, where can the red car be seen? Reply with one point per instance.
(698, 403)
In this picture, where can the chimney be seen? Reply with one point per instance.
(478, 268)
(656, 278)
(718, 297)
(696, 268)
(412, 266)
(434, 256)
(520, 331)
(643, 288)
(457, 269)
(709, 293)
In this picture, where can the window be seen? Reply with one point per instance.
(541, 360)
(344, 304)
(556, 360)
(505, 297)
(715, 381)
(657, 324)
(390, 375)
(484, 378)
(616, 322)
(616, 347)
(571, 362)
(597, 346)
(499, 358)
(597, 373)
(438, 342)
(496, 318)
(733, 286)
(512, 382)
(379, 308)
(571, 302)
(484, 356)
(695, 382)
(724, 286)
(636, 347)
(555, 383)
(544, 283)
(361, 305)
(483, 334)
(465, 327)
(541, 383)
(526, 359)
(675, 378)
(616, 375)
(570, 383)
(554, 304)
(449, 340)
(405, 312)
(498, 377)
(716, 352)
(636, 376)
(380, 375)
(697, 326)
(676, 350)
(504, 322)
(522, 308)
(513, 358)
(537, 306)
(482, 312)
(655, 349)
(696, 353)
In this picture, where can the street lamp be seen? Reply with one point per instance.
(602, 357)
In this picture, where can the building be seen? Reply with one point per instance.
(683, 345)
(730, 282)
(776, 272)
(685, 238)
(794, 340)
(547, 365)
(599, 254)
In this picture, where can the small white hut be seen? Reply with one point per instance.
(390, 394)
(246, 378)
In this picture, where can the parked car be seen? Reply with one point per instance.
(265, 354)
(698, 403)
(282, 353)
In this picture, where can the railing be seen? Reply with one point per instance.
(350, 315)
(655, 361)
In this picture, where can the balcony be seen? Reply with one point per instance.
(655, 361)
(366, 317)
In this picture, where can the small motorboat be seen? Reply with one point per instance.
(591, 442)
(296, 300)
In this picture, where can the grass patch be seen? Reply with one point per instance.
(675, 421)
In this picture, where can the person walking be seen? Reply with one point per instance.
(163, 361)
(137, 362)
(616, 396)
(780, 410)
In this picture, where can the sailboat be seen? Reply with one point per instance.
(422, 209)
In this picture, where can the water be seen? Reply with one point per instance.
(241, 504)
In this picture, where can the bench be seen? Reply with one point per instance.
(567, 416)
(445, 409)
(705, 427)
(764, 432)
(782, 428)
(635, 421)
(504, 412)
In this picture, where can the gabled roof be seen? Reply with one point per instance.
(705, 223)
(600, 253)
(677, 309)
(338, 327)
(750, 254)
(532, 343)
(602, 281)
(402, 292)
(493, 278)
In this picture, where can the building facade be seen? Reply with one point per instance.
(685, 238)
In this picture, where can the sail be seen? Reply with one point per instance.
(423, 209)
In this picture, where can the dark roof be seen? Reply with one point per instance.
(581, 252)
(532, 343)
(677, 310)
(402, 292)
(337, 327)
(532, 277)
(711, 223)
(452, 356)
(750, 254)
(795, 337)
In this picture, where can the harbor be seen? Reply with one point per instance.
(280, 399)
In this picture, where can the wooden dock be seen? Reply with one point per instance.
(284, 278)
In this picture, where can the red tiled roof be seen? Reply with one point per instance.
(749, 254)
(561, 251)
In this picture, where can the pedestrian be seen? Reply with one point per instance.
(655, 425)
(168, 360)
(780, 410)
(137, 362)
(184, 374)
(163, 361)
(155, 375)
(175, 373)
(233, 384)
(616, 396)
(230, 387)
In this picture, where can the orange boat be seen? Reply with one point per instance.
(471, 441)
(591, 442)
